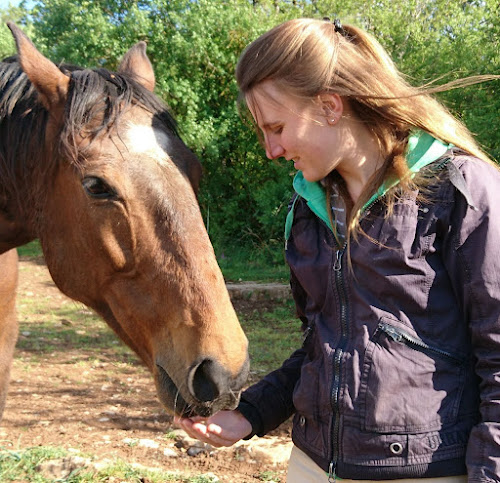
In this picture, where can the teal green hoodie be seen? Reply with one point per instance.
(422, 150)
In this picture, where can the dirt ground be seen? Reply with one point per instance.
(90, 403)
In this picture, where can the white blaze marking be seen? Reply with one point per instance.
(147, 140)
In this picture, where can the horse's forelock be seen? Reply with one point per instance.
(97, 99)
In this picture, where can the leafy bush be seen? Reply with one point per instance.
(194, 47)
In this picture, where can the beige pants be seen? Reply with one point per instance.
(302, 469)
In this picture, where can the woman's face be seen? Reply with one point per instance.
(298, 130)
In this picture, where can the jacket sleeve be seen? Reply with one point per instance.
(269, 402)
(473, 262)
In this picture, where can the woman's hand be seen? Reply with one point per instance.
(222, 429)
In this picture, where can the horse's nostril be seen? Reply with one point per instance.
(207, 381)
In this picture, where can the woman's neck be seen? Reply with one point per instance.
(363, 157)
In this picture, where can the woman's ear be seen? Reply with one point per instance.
(332, 106)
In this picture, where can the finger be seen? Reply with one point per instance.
(197, 431)
(217, 441)
(215, 429)
(199, 428)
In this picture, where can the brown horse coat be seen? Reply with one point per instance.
(92, 165)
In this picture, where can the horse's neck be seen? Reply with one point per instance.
(14, 229)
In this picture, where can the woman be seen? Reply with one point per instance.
(391, 241)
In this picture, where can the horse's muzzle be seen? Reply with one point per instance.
(210, 388)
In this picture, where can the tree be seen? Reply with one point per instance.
(194, 46)
(10, 14)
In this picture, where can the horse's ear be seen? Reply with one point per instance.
(136, 64)
(51, 84)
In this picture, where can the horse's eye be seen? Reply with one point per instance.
(98, 188)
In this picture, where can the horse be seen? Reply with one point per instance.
(92, 165)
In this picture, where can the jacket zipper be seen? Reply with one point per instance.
(337, 358)
(399, 335)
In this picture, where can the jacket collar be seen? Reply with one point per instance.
(422, 150)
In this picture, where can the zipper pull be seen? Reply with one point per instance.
(332, 477)
(338, 260)
(391, 332)
(306, 333)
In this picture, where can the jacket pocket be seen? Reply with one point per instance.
(408, 385)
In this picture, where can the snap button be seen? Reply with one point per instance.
(396, 448)
(302, 420)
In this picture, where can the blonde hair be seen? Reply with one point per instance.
(306, 57)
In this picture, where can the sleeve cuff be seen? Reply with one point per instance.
(252, 415)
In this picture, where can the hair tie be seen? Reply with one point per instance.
(337, 25)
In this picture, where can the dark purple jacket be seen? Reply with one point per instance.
(399, 374)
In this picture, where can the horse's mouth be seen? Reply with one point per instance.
(171, 398)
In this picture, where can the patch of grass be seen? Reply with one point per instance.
(271, 476)
(242, 264)
(123, 471)
(170, 435)
(236, 264)
(68, 327)
(24, 465)
(30, 250)
(273, 335)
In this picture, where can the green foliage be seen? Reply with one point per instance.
(7, 44)
(194, 47)
(438, 39)
(264, 264)
(30, 250)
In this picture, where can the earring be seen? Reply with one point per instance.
(331, 121)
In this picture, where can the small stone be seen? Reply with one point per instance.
(60, 469)
(196, 450)
(148, 443)
(170, 453)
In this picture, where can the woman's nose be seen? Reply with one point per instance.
(274, 150)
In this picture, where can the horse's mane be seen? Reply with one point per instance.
(22, 119)
(99, 94)
(95, 95)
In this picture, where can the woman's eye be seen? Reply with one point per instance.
(278, 130)
(98, 188)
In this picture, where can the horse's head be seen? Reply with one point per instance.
(122, 232)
